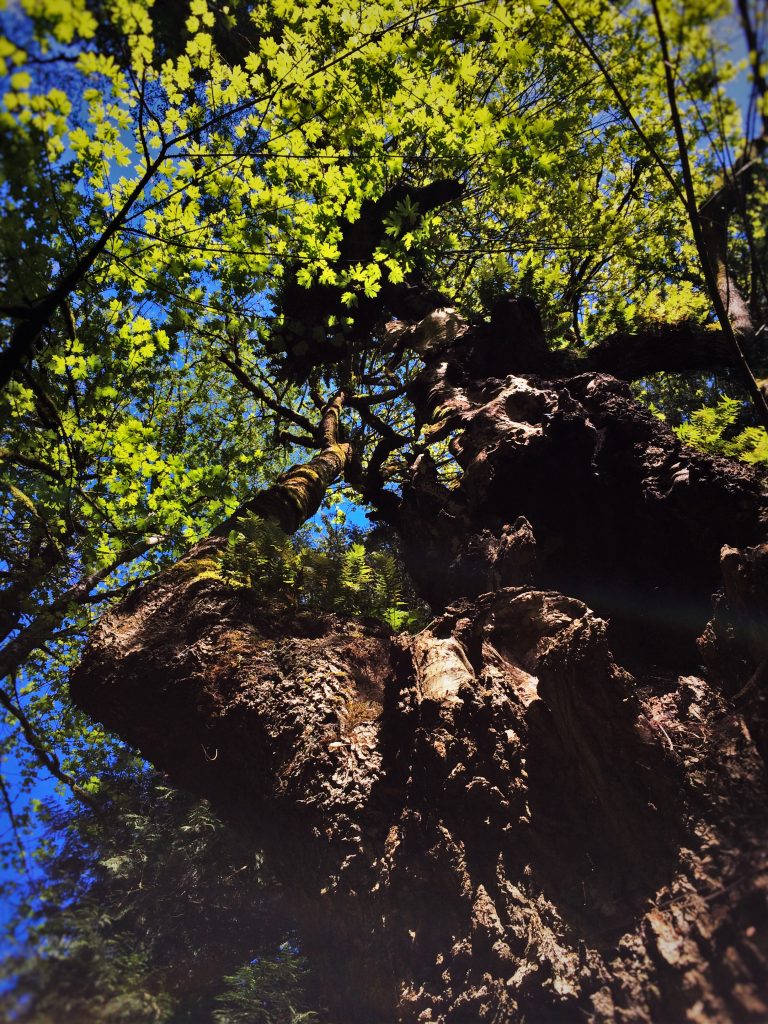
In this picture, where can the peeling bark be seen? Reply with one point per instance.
(551, 805)
(575, 476)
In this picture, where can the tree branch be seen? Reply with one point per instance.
(24, 336)
(755, 58)
(298, 493)
(46, 757)
(43, 625)
(376, 423)
(714, 281)
(714, 216)
(656, 348)
(281, 410)
(23, 856)
(623, 104)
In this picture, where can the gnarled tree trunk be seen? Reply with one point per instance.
(551, 804)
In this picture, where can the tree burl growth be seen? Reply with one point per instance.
(550, 804)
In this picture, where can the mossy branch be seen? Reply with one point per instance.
(299, 492)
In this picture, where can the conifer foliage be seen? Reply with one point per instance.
(152, 910)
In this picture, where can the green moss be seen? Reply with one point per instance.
(205, 567)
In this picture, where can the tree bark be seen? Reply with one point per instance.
(549, 805)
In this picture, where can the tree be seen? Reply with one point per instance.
(306, 214)
(495, 818)
(150, 917)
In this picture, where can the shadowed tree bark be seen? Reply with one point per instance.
(549, 805)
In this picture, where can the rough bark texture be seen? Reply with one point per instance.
(532, 811)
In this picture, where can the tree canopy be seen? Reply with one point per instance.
(219, 215)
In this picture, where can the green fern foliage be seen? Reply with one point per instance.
(265, 991)
(714, 429)
(342, 571)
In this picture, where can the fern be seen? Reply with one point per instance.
(265, 992)
(342, 572)
(751, 445)
(711, 429)
(356, 573)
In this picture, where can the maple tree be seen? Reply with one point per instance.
(214, 215)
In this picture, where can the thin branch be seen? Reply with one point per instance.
(720, 305)
(300, 440)
(281, 410)
(28, 330)
(17, 459)
(23, 856)
(755, 58)
(627, 110)
(383, 396)
(45, 756)
(44, 625)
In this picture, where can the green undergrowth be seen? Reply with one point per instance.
(151, 910)
(340, 570)
(716, 430)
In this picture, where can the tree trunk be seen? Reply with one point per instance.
(551, 804)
